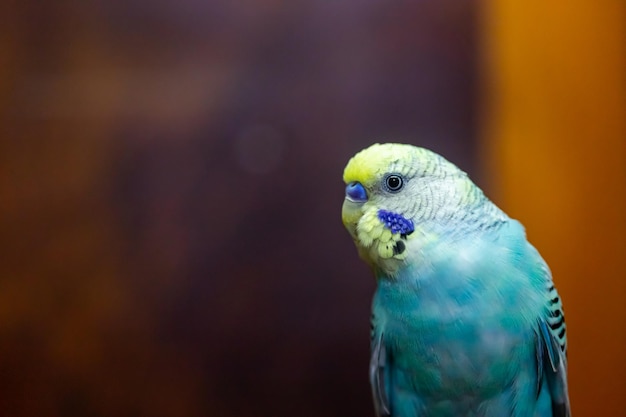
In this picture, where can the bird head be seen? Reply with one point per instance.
(400, 195)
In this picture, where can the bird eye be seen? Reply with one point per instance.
(393, 183)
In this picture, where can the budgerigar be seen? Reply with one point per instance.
(465, 318)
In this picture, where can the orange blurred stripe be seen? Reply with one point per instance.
(555, 147)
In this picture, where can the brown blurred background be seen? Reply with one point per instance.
(170, 189)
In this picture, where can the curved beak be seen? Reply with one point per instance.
(352, 209)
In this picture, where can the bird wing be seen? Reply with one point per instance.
(379, 371)
(552, 352)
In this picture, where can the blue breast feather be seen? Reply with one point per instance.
(462, 334)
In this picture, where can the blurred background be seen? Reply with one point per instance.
(170, 189)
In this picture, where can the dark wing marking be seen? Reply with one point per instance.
(556, 319)
(552, 354)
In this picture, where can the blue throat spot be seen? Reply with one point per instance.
(396, 223)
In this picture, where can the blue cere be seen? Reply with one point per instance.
(396, 223)
(356, 192)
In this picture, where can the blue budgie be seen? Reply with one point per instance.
(465, 318)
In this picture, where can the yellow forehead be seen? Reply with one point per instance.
(371, 163)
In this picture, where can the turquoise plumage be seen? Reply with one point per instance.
(465, 318)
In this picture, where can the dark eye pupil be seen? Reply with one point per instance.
(394, 183)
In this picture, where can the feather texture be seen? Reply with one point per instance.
(466, 320)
